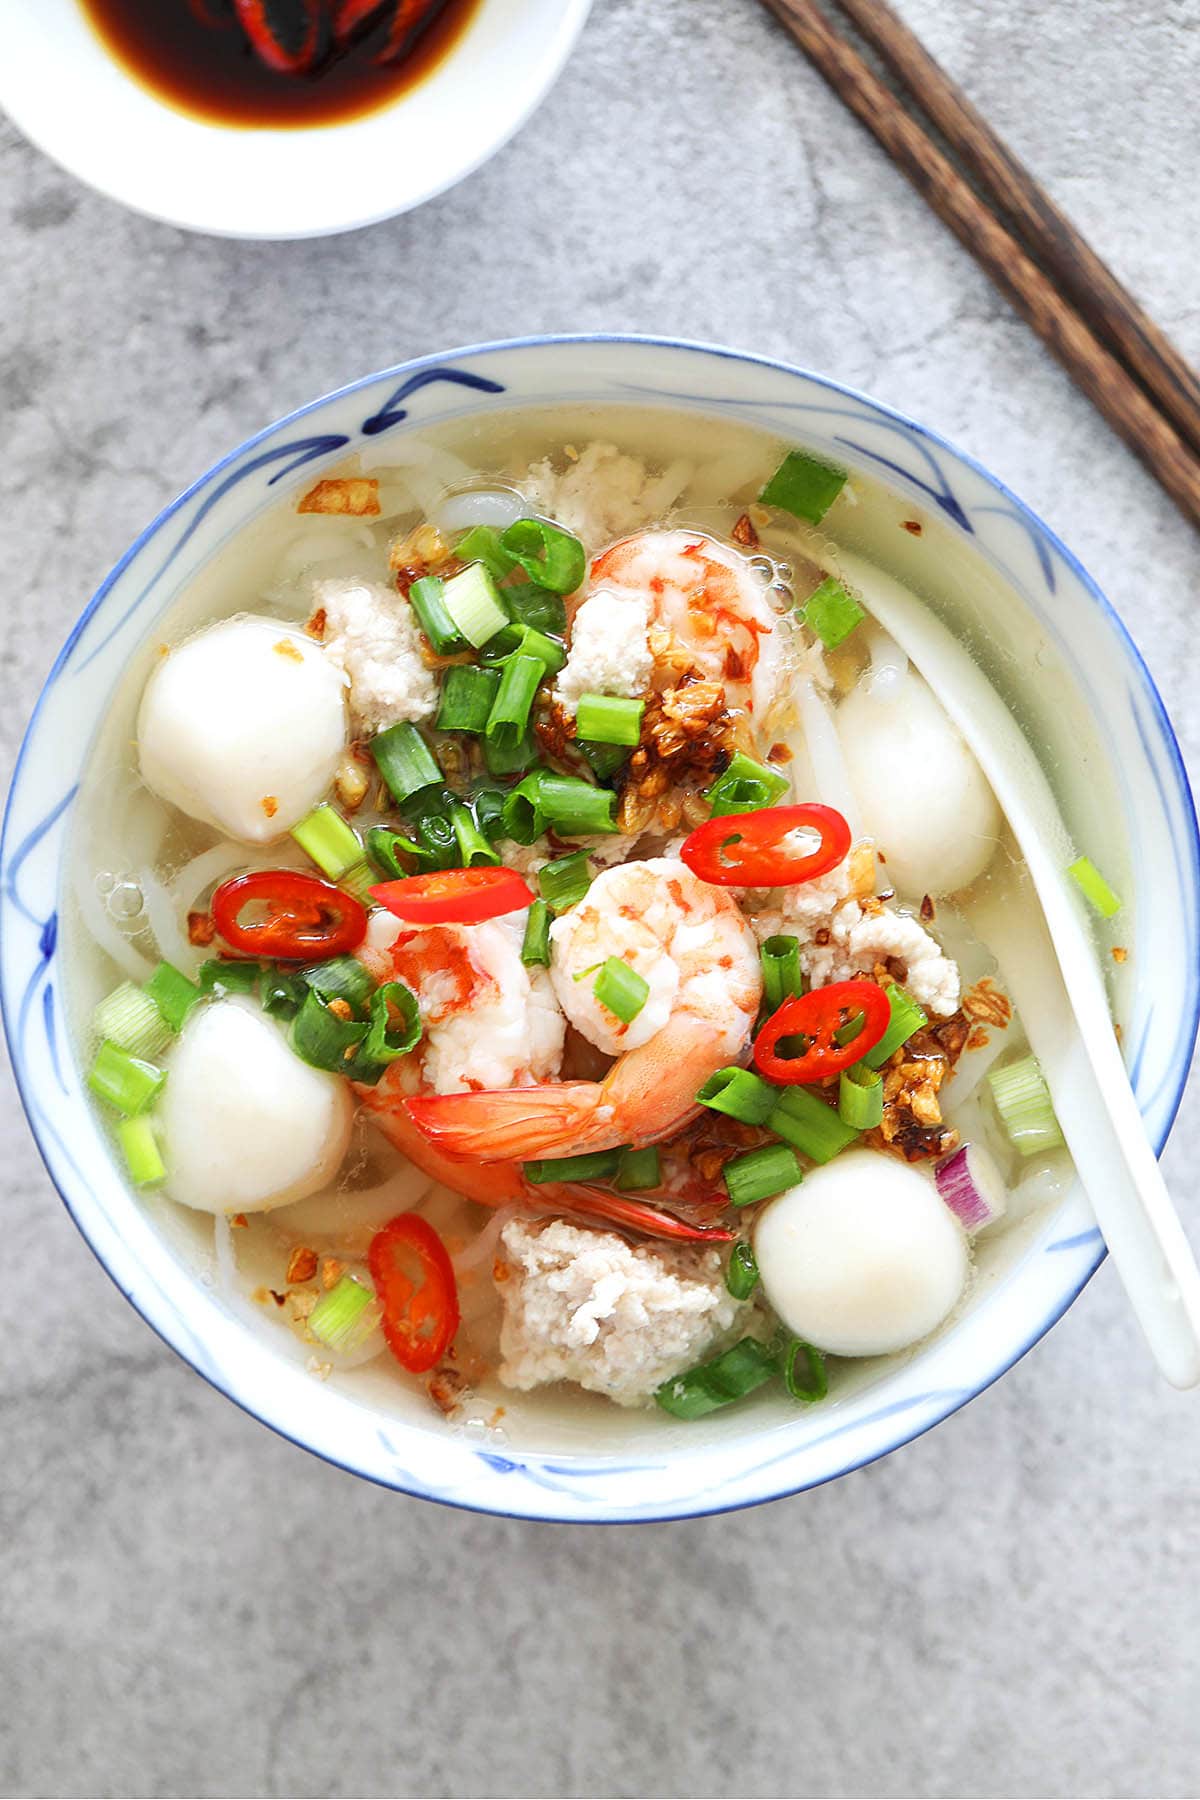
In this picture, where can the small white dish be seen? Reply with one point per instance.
(65, 90)
(1042, 631)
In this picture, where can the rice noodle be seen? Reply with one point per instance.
(661, 494)
(330, 542)
(889, 664)
(483, 1247)
(831, 778)
(497, 506)
(163, 919)
(104, 929)
(422, 470)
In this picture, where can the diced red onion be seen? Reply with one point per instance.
(972, 1187)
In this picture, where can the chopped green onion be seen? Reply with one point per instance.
(346, 1316)
(130, 1018)
(811, 1127)
(565, 804)
(536, 607)
(906, 1018)
(549, 556)
(319, 1037)
(482, 544)
(846, 1033)
(468, 694)
(536, 947)
(218, 977)
(474, 605)
(282, 993)
(814, 1385)
(760, 1173)
(831, 613)
(1093, 887)
(741, 1277)
(325, 836)
(740, 1094)
(139, 1145)
(621, 989)
(124, 1081)
(405, 761)
(746, 786)
(427, 598)
(860, 1097)
(340, 978)
(804, 486)
(599, 1165)
(565, 881)
(358, 881)
(386, 1041)
(526, 641)
(173, 994)
(509, 759)
(1025, 1107)
(508, 720)
(781, 972)
(474, 851)
(487, 803)
(730, 1376)
(606, 719)
(639, 1170)
(604, 759)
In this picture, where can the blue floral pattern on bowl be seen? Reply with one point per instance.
(674, 1471)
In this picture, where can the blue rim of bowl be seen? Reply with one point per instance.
(401, 372)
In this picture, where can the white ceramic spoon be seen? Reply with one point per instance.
(1050, 967)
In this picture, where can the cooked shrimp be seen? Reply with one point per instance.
(699, 960)
(707, 597)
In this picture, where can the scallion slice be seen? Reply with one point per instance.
(739, 1094)
(804, 1373)
(473, 603)
(509, 759)
(566, 804)
(474, 850)
(427, 599)
(741, 1276)
(730, 1376)
(405, 761)
(358, 880)
(1093, 887)
(551, 557)
(620, 989)
(1025, 1107)
(173, 994)
(468, 694)
(487, 803)
(325, 836)
(746, 786)
(124, 1081)
(781, 971)
(604, 759)
(564, 882)
(481, 544)
(525, 640)
(508, 720)
(340, 978)
(139, 1146)
(535, 950)
(131, 1019)
(321, 1038)
(804, 486)
(282, 993)
(599, 1165)
(607, 719)
(811, 1127)
(536, 607)
(761, 1173)
(906, 1018)
(831, 613)
(345, 1317)
(220, 976)
(860, 1097)
(639, 1170)
(395, 1024)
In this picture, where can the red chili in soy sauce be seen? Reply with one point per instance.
(279, 62)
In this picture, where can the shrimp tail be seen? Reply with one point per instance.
(635, 1215)
(518, 1124)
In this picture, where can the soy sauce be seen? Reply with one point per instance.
(214, 75)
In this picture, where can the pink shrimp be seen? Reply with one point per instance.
(699, 961)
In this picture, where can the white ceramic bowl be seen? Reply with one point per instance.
(64, 90)
(1037, 622)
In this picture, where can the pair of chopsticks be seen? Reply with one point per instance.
(1127, 367)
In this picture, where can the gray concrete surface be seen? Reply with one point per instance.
(1010, 1606)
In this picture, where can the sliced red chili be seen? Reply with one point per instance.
(752, 849)
(817, 1021)
(409, 19)
(294, 918)
(349, 16)
(454, 896)
(287, 35)
(415, 1286)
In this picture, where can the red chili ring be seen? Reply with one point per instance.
(818, 1016)
(287, 35)
(748, 849)
(305, 918)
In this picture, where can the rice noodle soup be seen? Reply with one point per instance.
(519, 940)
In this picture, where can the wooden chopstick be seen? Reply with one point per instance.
(1050, 237)
(1109, 386)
